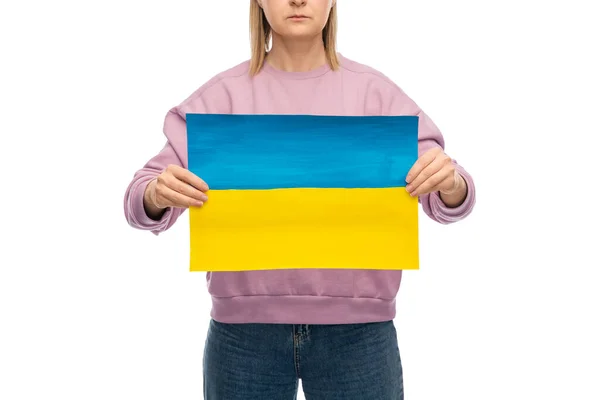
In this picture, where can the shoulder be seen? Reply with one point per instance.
(237, 73)
(366, 74)
(382, 96)
(214, 95)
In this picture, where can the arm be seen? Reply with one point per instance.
(442, 208)
(139, 212)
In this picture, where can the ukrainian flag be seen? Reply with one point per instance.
(303, 191)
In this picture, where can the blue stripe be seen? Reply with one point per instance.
(301, 151)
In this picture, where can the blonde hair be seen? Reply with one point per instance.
(260, 36)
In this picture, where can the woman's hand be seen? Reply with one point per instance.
(433, 172)
(174, 187)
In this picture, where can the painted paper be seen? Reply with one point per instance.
(303, 191)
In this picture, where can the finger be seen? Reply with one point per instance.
(169, 197)
(430, 170)
(422, 162)
(433, 182)
(184, 188)
(194, 180)
(189, 177)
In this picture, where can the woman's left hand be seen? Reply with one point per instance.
(433, 172)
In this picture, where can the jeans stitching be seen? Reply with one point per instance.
(296, 342)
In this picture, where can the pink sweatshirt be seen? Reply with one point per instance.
(295, 296)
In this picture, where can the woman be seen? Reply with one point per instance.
(332, 329)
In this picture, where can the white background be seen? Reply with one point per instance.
(506, 304)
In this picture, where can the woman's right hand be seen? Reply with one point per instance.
(175, 187)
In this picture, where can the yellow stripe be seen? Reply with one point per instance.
(242, 230)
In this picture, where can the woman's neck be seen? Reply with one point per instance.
(296, 55)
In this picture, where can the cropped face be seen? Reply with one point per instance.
(297, 19)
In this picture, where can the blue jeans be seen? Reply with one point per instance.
(267, 362)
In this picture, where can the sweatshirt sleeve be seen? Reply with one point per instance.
(430, 137)
(212, 97)
(171, 153)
